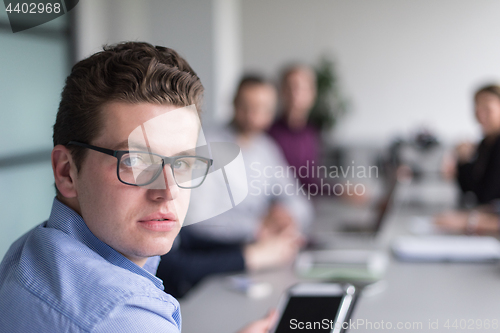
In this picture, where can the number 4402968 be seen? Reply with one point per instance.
(34, 8)
(471, 324)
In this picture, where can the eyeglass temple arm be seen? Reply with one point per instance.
(169, 160)
(99, 149)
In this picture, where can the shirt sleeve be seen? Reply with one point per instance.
(489, 188)
(142, 314)
(182, 269)
(464, 176)
(481, 175)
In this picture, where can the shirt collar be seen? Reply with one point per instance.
(70, 222)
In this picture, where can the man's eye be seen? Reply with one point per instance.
(181, 165)
(132, 161)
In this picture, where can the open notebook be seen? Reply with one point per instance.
(351, 265)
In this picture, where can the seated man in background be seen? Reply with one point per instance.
(264, 230)
(90, 267)
(299, 140)
(477, 170)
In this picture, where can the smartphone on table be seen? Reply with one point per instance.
(315, 307)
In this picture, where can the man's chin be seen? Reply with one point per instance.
(159, 251)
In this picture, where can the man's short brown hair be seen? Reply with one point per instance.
(491, 88)
(246, 81)
(131, 72)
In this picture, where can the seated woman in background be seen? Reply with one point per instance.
(265, 229)
(478, 170)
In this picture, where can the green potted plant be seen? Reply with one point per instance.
(330, 103)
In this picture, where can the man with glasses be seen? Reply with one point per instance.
(125, 158)
(142, 168)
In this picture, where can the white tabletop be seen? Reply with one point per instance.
(425, 297)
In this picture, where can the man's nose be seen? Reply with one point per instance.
(165, 188)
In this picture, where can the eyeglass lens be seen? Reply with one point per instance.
(142, 168)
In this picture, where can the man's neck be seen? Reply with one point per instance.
(139, 261)
(295, 122)
(71, 203)
(244, 138)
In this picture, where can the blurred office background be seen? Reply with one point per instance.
(402, 64)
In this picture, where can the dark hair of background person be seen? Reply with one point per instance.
(491, 88)
(249, 80)
(310, 76)
(131, 72)
(292, 68)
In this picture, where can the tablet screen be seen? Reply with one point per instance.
(309, 313)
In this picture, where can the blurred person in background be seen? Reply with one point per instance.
(478, 166)
(299, 140)
(265, 230)
(477, 170)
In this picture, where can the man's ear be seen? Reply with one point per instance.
(64, 170)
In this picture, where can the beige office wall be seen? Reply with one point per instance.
(403, 63)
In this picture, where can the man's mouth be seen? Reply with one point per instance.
(159, 222)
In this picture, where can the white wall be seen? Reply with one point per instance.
(228, 56)
(402, 63)
(205, 32)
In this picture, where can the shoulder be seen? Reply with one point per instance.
(496, 143)
(142, 312)
(279, 129)
(268, 144)
(489, 148)
(66, 279)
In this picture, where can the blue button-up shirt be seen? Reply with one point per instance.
(59, 277)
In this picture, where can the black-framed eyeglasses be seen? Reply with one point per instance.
(141, 168)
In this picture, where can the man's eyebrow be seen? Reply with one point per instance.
(127, 145)
(187, 152)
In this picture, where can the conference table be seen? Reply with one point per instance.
(413, 297)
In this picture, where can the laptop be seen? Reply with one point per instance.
(380, 210)
(350, 252)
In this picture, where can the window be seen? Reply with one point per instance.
(33, 66)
